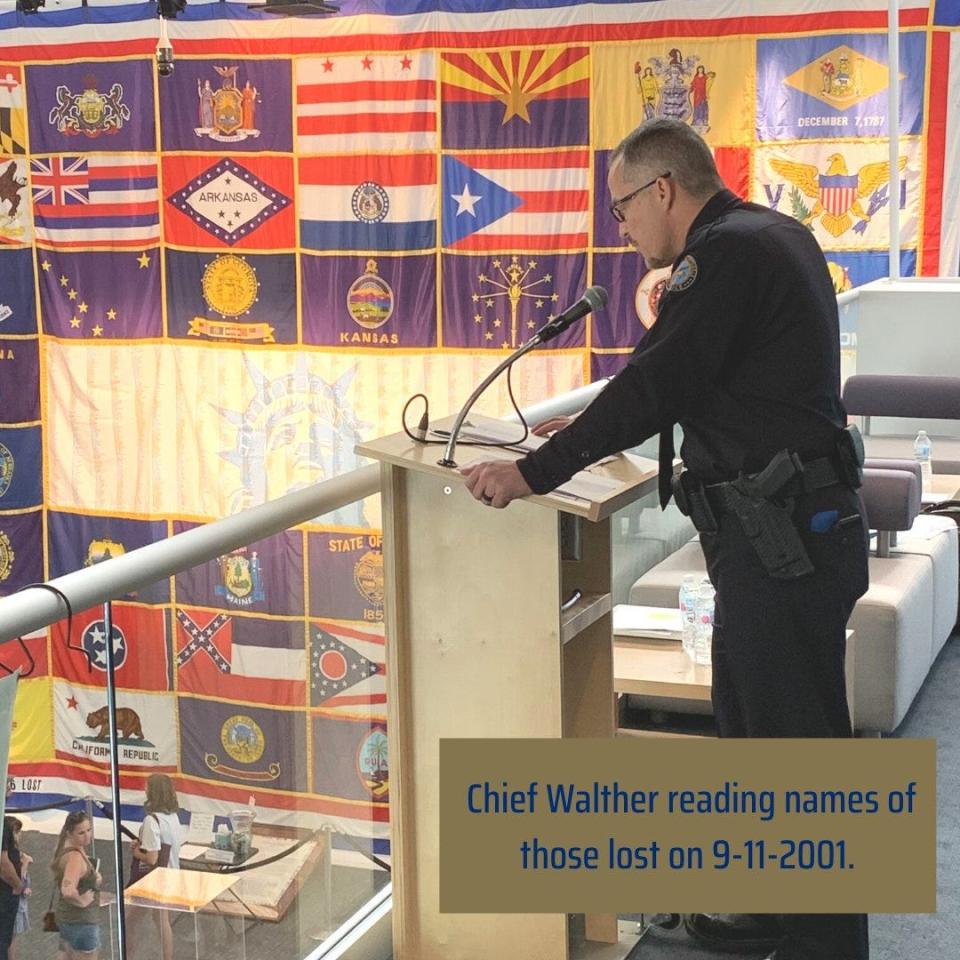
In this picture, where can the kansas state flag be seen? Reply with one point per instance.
(525, 200)
(366, 203)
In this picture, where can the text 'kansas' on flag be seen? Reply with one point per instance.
(382, 101)
(522, 200)
(370, 202)
(100, 199)
(515, 98)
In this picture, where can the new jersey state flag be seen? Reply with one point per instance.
(521, 200)
(140, 648)
(365, 203)
(108, 199)
(384, 101)
(515, 98)
(241, 658)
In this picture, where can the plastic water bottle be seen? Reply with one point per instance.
(706, 601)
(688, 602)
(922, 453)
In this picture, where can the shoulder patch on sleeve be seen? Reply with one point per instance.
(684, 275)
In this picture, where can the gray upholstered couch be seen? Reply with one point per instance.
(902, 621)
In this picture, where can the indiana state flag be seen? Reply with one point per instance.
(101, 198)
(362, 203)
(522, 200)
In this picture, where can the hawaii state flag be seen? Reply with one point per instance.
(524, 200)
(381, 102)
(100, 198)
(241, 658)
(369, 202)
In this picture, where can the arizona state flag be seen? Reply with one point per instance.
(515, 98)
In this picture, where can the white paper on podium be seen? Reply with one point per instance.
(636, 621)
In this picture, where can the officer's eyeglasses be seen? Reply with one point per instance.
(615, 210)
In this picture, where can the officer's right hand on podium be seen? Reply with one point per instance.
(495, 482)
(546, 427)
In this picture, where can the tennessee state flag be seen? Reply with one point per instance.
(140, 648)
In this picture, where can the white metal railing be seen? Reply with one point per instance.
(36, 607)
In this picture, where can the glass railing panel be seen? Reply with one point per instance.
(256, 683)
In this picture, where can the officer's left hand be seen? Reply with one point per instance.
(495, 482)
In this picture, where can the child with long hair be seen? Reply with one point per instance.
(21, 923)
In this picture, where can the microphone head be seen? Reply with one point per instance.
(596, 297)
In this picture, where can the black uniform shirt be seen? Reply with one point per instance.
(744, 355)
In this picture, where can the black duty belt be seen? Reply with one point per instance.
(815, 475)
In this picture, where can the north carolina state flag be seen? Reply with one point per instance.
(140, 645)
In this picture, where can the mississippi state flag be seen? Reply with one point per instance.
(100, 198)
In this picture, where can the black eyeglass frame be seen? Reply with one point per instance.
(615, 210)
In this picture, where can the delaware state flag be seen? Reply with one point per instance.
(101, 198)
(382, 202)
(523, 200)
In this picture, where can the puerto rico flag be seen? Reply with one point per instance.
(109, 199)
(522, 200)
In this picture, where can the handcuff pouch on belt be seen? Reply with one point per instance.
(850, 456)
(761, 508)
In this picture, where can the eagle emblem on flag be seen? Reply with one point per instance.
(838, 193)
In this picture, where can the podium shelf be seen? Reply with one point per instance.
(587, 610)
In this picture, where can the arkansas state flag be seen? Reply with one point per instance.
(241, 658)
(226, 202)
(140, 648)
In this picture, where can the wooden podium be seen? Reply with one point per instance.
(477, 646)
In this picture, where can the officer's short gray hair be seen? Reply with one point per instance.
(658, 146)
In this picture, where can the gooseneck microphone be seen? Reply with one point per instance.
(593, 299)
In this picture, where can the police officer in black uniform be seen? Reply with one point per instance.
(745, 356)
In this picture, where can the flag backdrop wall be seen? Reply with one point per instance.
(213, 285)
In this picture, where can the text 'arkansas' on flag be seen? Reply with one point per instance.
(378, 102)
(370, 202)
(523, 200)
(241, 658)
(108, 199)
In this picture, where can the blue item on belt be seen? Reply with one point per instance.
(824, 521)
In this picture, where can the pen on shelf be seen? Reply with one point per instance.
(571, 600)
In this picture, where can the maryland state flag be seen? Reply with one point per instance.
(13, 117)
(515, 98)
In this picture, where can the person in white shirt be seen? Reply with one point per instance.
(159, 845)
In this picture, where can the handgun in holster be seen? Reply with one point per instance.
(850, 456)
(765, 516)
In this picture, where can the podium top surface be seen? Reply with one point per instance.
(595, 493)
